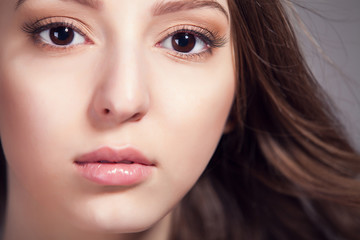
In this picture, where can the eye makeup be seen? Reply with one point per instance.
(210, 39)
(36, 28)
(53, 34)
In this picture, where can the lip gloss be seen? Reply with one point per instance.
(108, 166)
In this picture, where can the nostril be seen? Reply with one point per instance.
(136, 117)
(106, 111)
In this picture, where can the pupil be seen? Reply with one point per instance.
(61, 35)
(183, 42)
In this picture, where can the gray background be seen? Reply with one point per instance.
(337, 31)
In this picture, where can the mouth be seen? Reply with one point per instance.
(111, 166)
(106, 161)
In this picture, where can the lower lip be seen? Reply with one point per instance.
(115, 173)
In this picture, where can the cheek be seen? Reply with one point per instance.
(194, 108)
(38, 119)
(43, 99)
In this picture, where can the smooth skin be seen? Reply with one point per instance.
(120, 84)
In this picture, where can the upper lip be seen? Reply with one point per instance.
(125, 154)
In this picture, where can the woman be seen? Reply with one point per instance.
(167, 120)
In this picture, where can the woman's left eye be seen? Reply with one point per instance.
(62, 36)
(184, 42)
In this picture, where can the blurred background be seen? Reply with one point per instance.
(335, 26)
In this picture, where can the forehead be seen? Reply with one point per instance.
(134, 10)
(165, 4)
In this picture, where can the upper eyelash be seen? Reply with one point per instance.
(36, 27)
(212, 39)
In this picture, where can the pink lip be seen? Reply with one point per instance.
(108, 166)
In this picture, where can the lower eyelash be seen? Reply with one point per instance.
(34, 28)
(211, 39)
(196, 57)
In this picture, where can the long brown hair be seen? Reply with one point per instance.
(286, 170)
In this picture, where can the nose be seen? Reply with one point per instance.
(122, 94)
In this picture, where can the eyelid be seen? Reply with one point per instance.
(35, 27)
(200, 32)
(211, 38)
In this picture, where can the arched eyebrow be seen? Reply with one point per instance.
(160, 8)
(96, 4)
(163, 7)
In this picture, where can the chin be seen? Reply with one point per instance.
(116, 217)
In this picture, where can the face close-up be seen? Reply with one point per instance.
(109, 110)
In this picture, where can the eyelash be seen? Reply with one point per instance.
(211, 39)
(34, 28)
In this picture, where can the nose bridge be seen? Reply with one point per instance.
(124, 84)
(125, 47)
(122, 93)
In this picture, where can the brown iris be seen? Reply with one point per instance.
(61, 35)
(183, 42)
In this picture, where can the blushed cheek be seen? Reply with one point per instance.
(21, 105)
(31, 125)
(17, 121)
(196, 113)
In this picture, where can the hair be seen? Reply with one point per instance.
(286, 170)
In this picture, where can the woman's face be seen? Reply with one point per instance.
(110, 110)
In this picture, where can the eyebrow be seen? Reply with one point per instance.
(162, 7)
(95, 4)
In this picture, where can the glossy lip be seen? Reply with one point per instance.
(115, 166)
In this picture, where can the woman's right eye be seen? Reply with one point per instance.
(58, 32)
(62, 36)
